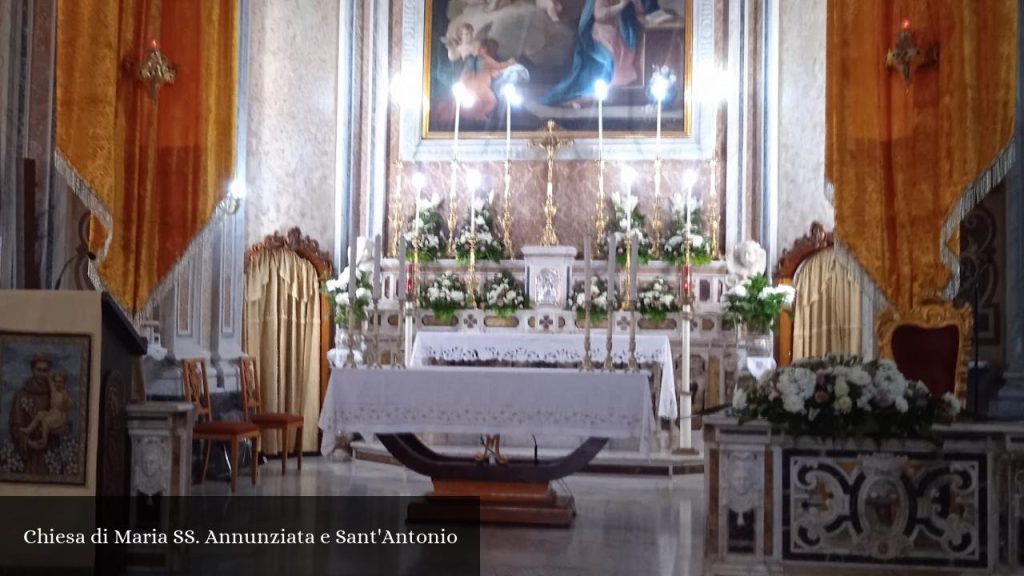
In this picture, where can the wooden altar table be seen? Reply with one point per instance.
(398, 404)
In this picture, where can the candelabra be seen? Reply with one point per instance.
(587, 365)
(405, 312)
(376, 332)
(397, 218)
(609, 361)
(629, 304)
(506, 216)
(350, 336)
(471, 276)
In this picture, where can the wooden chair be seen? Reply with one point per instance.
(252, 404)
(930, 343)
(197, 391)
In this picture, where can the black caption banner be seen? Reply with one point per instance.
(225, 536)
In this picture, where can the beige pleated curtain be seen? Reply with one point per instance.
(827, 310)
(282, 331)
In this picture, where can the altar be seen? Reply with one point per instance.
(398, 404)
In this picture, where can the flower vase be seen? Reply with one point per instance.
(759, 342)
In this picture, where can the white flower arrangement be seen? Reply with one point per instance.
(425, 229)
(337, 293)
(489, 245)
(657, 300)
(598, 300)
(756, 304)
(620, 225)
(674, 249)
(845, 398)
(445, 295)
(503, 294)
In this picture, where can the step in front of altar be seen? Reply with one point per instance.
(611, 460)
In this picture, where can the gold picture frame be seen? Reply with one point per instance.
(684, 87)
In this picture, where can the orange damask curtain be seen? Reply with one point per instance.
(909, 161)
(151, 171)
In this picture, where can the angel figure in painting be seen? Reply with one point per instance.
(480, 69)
(53, 420)
(606, 46)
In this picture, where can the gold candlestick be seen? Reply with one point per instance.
(629, 304)
(506, 216)
(397, 218)
(376, 334)
(550, 144)
(350, 339)
(471, 277)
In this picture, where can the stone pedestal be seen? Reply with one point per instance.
(549, 274)
(161, 438)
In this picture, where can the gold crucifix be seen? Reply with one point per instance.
(156, 70)
(550, 144)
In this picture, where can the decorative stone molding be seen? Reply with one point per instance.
(161, 440)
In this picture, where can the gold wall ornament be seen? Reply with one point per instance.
(550, 144)
(453, 207)
(712, 218)
(156, 70)
(906, 54)
(656, 223)
(601, 219)
(506, 215)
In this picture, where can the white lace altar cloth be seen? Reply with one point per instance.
(431, 347)
(554, 402)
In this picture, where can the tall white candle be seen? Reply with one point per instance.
(657, 136)
(401, 289)
(586, 269)
(600, 128)
(377, 250)
(458, 114)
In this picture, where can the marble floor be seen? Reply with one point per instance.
(625, 525)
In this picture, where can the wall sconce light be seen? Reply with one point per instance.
(156, 70)
(906, 53)
(233, 200)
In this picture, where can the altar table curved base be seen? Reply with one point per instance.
(516, 492)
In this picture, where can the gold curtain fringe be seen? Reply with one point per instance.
(88, 196)
(972, 195)
(195, 252)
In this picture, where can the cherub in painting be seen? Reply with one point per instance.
(479, 68)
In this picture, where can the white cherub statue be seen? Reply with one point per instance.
(748, 259)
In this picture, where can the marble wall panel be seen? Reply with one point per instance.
(801, 155)
(293, 82)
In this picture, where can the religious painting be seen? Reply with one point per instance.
(44, 407)
(560, 55)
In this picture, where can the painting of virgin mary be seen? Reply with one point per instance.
(554, 52)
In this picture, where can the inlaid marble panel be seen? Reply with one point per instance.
(293, 79)
(802, 121)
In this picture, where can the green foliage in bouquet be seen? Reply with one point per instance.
(444, 296)
(503, 294)
(756, 304)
